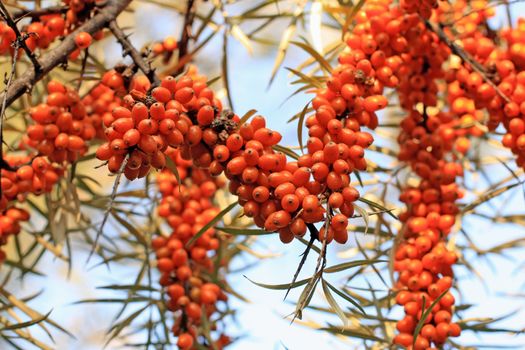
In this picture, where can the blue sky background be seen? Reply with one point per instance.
(261, 323)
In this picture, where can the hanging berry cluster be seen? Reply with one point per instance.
(21, 176)
(494, 81)
(102, 100)
(422, 259)
(62, 127)
(186, 268)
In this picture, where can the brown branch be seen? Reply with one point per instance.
(136, 56)
(60, 53)
(465, 56)
(20, 39)
(40, 12)
(189, 16)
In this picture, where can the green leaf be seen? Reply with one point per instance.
(333, 303)
(128, 287)
(26, 324)
(316, 55)
(211, 223)
(243, 231)
(364, 215)
(306, 79)
(286, 151)
(356, 173)
(378, 206)
(350, 264)
(300, 127)
(347, 297)
(425, 314)
(354, 333)
(131, 229)
(171, 165)
(281, 286)
(247, 116)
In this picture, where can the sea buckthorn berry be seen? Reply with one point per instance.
(83, 40)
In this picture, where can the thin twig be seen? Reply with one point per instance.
(135, 55)
(109, 207)
(313, 237)
(189, 16)
(20, 39)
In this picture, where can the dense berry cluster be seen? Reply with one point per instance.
(40, 33)
(61, 126)
(141, 129)
(102, 100)
(10, 221)
(25, 175)
(21, 176)
(187, 207)
(422, 259)
(421, 7)
(279, 195)
(166, 46)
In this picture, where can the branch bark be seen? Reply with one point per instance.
(135, 55)
(60, 53)
(189, 15)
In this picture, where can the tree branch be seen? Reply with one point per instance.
(60, 53)
(136, 56)
(186, 33)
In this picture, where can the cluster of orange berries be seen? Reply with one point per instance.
(469, 92)
(102, 100)
(422, 7)
(24, 175)
(187, 207)
(145, 125)
(422, 260)
(61, 126)
(20, 176)
(40, 34)
(168, 45)
(45, 29)
(10, 221)
(405, 55)
(515, 38)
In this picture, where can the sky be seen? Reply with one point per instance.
(261, 322)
